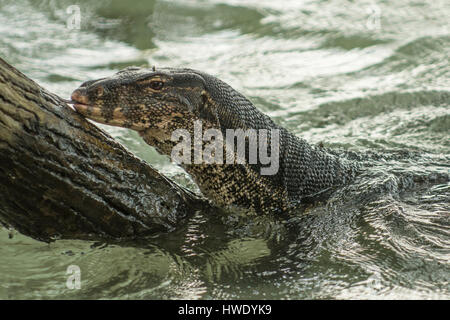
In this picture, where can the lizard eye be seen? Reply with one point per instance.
(156, 85)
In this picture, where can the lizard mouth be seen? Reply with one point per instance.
(84, 109)
(82, 105)
(89, 111)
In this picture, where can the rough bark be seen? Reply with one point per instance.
(63, 177)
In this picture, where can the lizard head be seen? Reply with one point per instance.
(156, 103)
(143, 99)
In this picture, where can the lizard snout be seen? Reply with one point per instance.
(80, 96)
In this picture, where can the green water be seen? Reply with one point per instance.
(358, 75)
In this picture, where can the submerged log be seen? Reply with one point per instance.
(63, 177)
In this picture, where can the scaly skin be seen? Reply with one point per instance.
(157, 102)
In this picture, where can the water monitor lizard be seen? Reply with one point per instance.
(156, 102)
